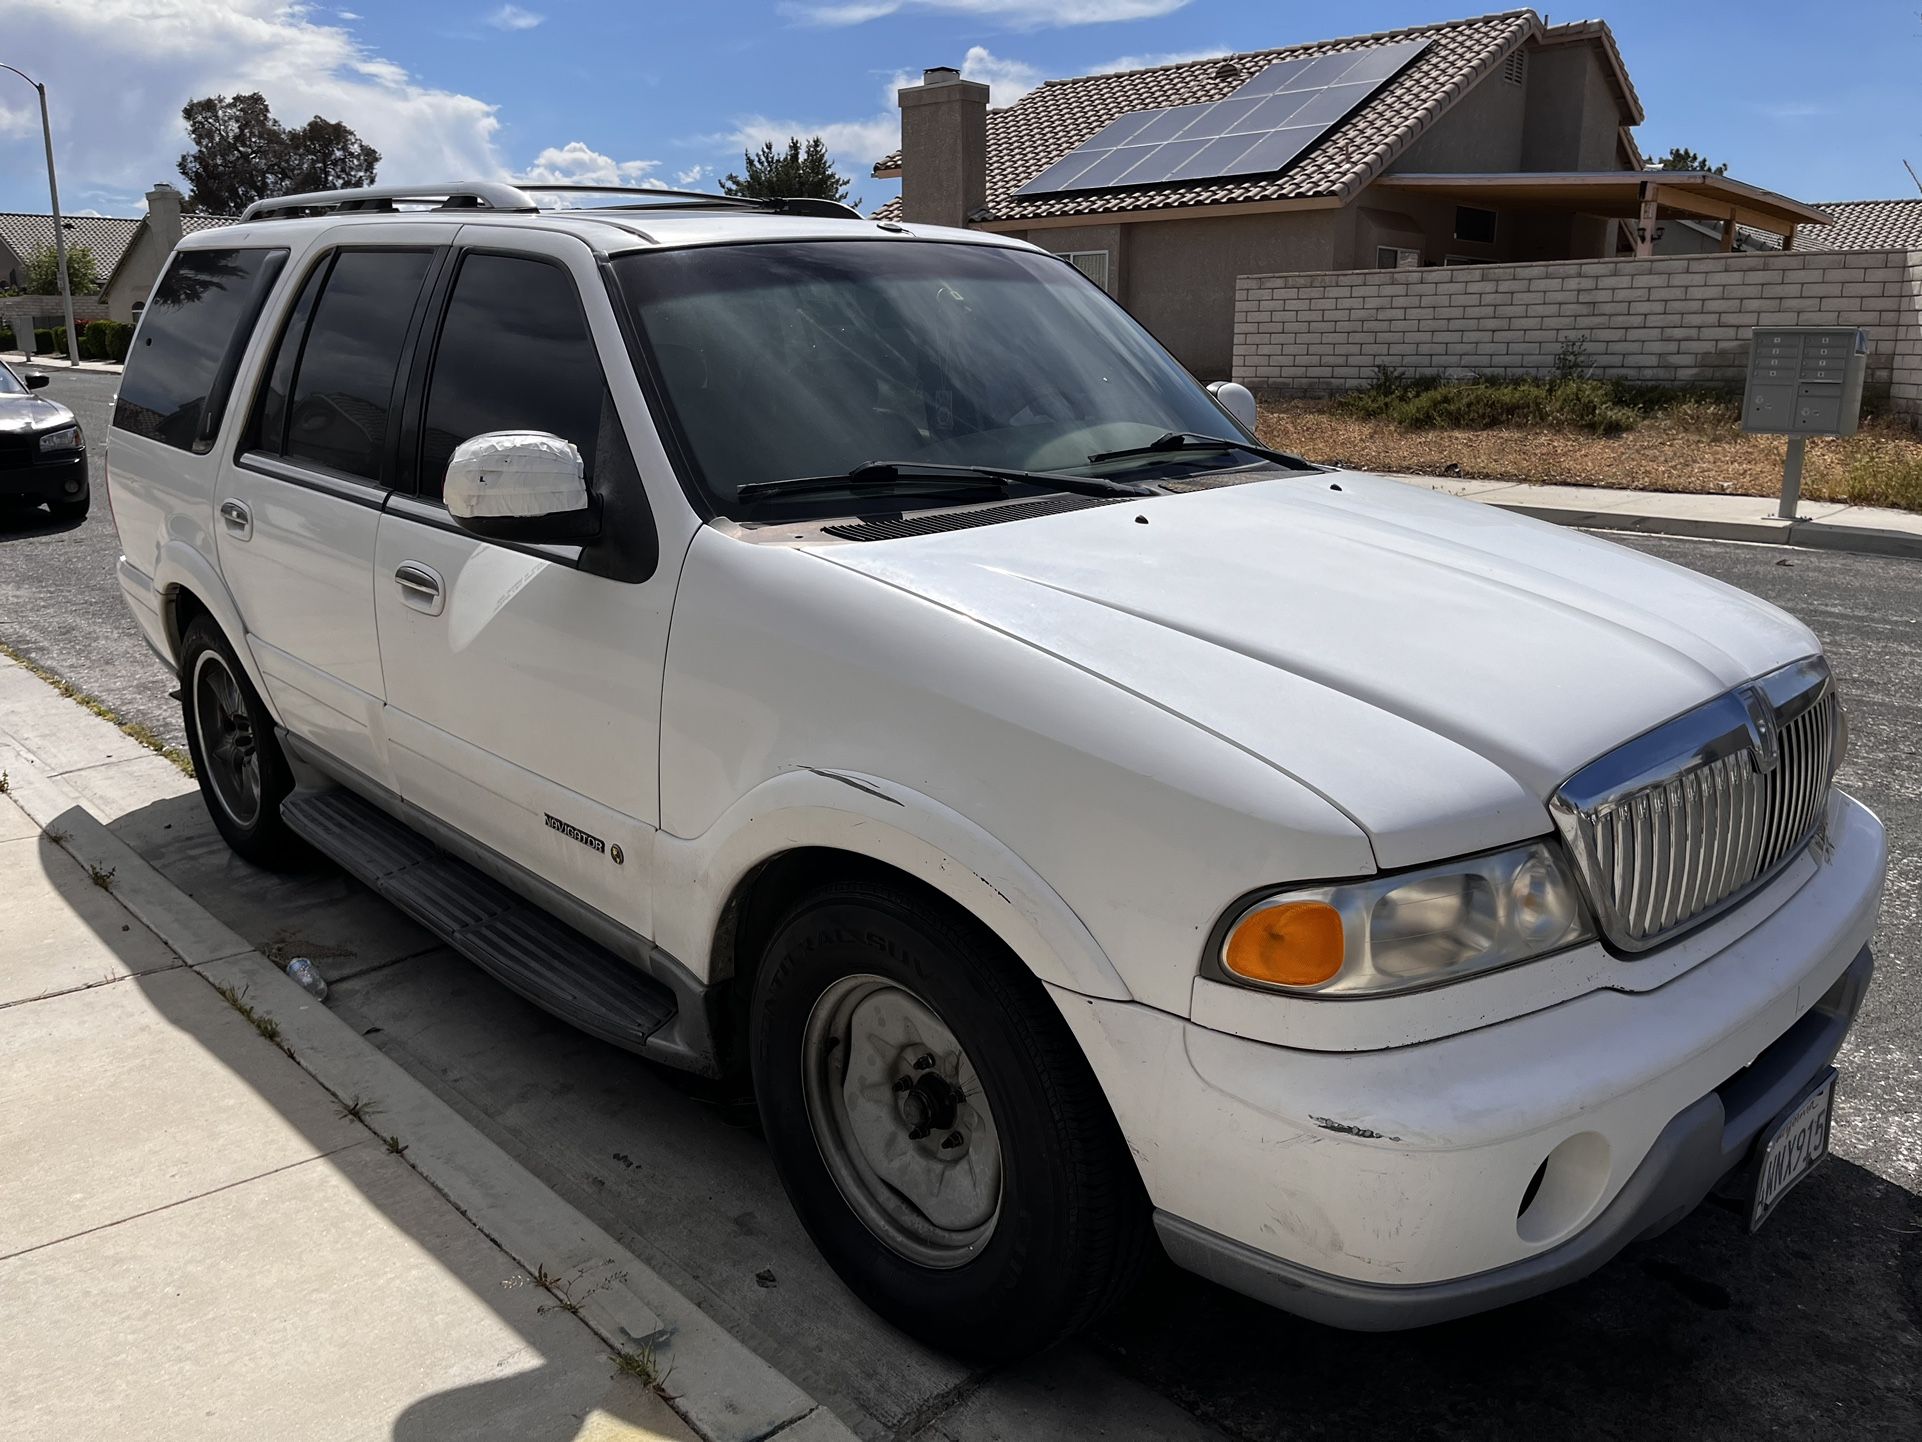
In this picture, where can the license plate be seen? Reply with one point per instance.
(1790, 1151)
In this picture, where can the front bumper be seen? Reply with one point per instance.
(1399, 1186)
(1704, 1144)
(64, 479)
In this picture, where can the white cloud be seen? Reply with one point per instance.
(575, 163)
(1148, 62)
(693, 175)
(1019, 14)
(512, 17)
(348, 14)
(118, 71)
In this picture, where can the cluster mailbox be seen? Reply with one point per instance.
(1805, 380)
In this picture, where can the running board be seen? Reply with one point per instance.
(521, 946)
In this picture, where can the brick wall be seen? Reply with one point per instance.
(1677, 320)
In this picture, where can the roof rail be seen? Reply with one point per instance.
(448, 195)
(514, 197)
(647, 197)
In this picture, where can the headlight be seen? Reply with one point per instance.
(67, 438)
(1411, 930)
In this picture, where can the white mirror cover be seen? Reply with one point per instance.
(1238, 401)
(514, 473)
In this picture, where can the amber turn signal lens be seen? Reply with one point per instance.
(1297, 943)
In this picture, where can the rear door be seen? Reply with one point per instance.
(523, 688)
(300, 503)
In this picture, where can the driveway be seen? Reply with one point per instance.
(1811, 1327)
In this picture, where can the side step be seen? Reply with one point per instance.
(521, 946)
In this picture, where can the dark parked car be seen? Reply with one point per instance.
(43, 456)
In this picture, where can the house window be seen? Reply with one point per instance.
(1396, 257)
(1475, 224)
(1091, 263)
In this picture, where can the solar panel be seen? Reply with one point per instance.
(1260, 128)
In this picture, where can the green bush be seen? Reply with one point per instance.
(1568, 400)
(116, 336)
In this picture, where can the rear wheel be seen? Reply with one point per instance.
(237, 760)
(936, 1126)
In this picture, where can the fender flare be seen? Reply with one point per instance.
(872, 817)
(180, 567)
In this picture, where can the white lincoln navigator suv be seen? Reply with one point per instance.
(855, 657)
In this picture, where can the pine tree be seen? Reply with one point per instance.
(774, 174)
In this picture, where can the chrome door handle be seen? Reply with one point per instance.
(420, 587)
(240, 520)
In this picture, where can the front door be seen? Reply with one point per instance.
(523, 689)
(298, 510)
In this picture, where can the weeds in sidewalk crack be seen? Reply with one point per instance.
(356, 1110)
(5, 784)
(57, 836)
(395, 1145)
(101, 878)
(641, 1364)
(236, 997)
(563, 1289)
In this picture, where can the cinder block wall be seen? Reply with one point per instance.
(1675, 320)
(20, 311)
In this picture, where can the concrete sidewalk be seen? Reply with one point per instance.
(55, 363)
(1824, 525)
(227, 1215)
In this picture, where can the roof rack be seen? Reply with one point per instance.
(514, 197)
(448, 195)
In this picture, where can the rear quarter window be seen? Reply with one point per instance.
(180, 369)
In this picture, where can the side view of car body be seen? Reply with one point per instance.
(856, 658)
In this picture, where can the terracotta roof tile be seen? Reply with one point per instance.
(1027, 137)
(1864, 225)
(105, 235)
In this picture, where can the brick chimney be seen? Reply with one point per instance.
(163, 215)
(944, 148)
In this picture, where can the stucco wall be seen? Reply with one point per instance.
(1178, 277)
(139, 269)
(1684, 319)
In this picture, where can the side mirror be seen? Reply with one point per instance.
(1238, 401)
(36, 380)
(520, 486)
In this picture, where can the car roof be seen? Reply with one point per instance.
(605, 229)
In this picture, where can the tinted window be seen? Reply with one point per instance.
(270, 424)
(343, 390)
(514, 354)
(200, 314)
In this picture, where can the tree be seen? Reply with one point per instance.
(242, 154)
(1682, 158)
(773, 174)
(40, 273)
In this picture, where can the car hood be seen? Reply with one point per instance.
(31, 413)
(1431, 666)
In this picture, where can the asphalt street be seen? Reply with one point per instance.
(1811, 1327)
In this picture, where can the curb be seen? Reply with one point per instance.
(724, 1391)
(1545, 502)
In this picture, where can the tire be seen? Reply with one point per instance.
(70, 510)
(867, 980)
(238, 762)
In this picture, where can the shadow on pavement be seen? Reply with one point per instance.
(19, 520)
(335, 1283)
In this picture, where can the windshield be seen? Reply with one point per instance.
(810, 359)
(9, 386)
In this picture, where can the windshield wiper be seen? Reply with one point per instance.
(903, 475)
(1174, 442)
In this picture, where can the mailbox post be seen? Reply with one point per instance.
(1803, 380)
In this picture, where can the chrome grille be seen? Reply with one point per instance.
(1685, 820)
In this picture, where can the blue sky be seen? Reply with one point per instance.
(1819, 101)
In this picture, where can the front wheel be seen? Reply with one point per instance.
(237, 760)
(937, 1128)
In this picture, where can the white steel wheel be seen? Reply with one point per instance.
(902, 1123)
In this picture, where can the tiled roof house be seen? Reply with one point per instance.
(1496, 138)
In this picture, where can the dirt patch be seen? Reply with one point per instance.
(1684, 451)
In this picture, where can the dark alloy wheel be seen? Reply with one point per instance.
(237, 760)
(936, 1126)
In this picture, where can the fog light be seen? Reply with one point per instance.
(73, 487)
